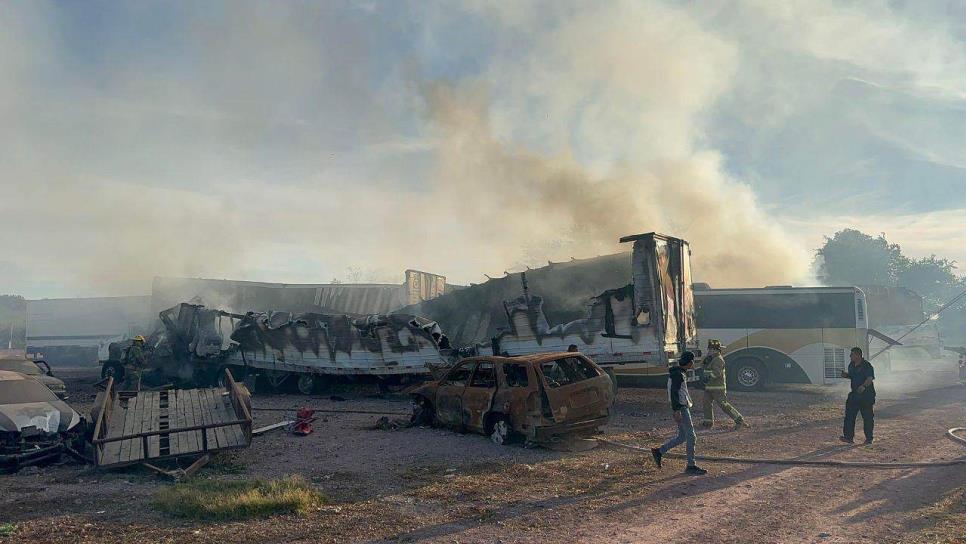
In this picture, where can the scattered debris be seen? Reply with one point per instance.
(179, 474)
(272, 427)
(303, 422)
(384, 424)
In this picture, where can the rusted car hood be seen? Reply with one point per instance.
(48, 417)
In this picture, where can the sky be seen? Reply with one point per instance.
(311, 141)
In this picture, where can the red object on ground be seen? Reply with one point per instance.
(303, 422)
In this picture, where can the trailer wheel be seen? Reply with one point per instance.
(307, 384)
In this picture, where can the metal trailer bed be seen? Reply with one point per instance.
(137, 427)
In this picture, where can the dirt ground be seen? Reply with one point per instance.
(426, 485)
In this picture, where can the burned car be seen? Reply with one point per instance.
(540, 398)
(35, 426)
(37, 370)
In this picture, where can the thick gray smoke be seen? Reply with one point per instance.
(258, 148)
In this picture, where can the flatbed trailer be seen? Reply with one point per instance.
(134, 427)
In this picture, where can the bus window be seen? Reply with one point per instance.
(813, 310)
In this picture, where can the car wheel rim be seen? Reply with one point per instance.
(500, 432)
(306, 384)
(748, 376)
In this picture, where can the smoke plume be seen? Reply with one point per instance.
(292, 143)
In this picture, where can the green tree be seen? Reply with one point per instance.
(934, 278)
(851, 257)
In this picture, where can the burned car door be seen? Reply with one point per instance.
(577, 389)
(449, 406)
(478, 396)
(517, 394)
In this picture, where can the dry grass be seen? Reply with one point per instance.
(234, 499)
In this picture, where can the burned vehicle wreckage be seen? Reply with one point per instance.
(274, 349)
(541, 398)
(35, 426)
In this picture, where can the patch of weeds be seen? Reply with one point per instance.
(235, 500)
(227, 465)
(7, 529)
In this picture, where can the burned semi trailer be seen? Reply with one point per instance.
(305, 349)
(634, 332)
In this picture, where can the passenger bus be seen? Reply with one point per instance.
(785, 334)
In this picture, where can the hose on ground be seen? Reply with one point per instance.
(951, 433)
(805, 462)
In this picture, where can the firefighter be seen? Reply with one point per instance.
(134, 363)
(715, 379)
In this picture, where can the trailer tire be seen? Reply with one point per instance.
(307, 384)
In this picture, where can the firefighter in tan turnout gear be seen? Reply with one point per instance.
(715, 379)
(134, 363)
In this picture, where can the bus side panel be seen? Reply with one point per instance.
(792, 347)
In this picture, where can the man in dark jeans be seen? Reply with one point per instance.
(861, 399)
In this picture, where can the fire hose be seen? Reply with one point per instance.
(805, 462)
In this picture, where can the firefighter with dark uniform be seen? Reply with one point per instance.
(134, 363)
(715, 378)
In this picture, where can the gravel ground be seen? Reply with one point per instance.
(426, 485)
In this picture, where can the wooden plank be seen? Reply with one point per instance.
(144, 424)
(112, 450)
(198, 417)
(218, 415)
(204, 410)
(130, 416)
(154, 442)
(271, 427)
(187, 439)
(192, 418)
(235, 431)
(231, 434)
(196, 466)
(174, 421)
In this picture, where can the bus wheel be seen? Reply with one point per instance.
(748, 374)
